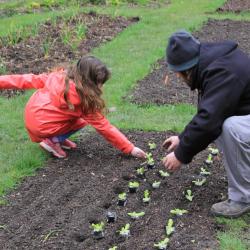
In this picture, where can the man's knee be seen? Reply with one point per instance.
(230, 125)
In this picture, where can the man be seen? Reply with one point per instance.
(221, 73)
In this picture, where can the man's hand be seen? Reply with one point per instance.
(171, 163)
(171, 143)
(137, 152)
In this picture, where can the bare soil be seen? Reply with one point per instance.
(152, 89)
(236, 6)
(54, 208)
(46, 50)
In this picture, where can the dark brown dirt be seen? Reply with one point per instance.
(54, 209)
(152, 89)
(47, 50)
(235, 6)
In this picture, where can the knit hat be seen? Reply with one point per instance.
(182, 51)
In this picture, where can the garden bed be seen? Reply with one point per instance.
(235, 6)
(54, 209)
(54, 43)
(152, 89)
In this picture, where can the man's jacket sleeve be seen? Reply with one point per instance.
(25, 81)
(109, 132)
(222, 92)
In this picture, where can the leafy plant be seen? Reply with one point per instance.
(133, 184)
(146, 196)
(178, 211)
(163, 173)
(136, 215)
(140, 171)
(204, 172)
(189, 195)
(152, 145)
(209, 159)
(169, 227)
(122, 196)
(162, 244)
(213, 151)
(199, 182)
(113, 248)
(125, 230)
(156, 184)
(98, 227)
(150, 159)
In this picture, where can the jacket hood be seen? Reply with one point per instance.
(210, 52)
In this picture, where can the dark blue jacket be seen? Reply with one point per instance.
(222, 78)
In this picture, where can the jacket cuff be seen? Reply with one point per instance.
(183, 156)
(128, 149)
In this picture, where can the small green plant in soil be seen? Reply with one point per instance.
(125, 231)
(170, 227)
(178, 211)
(161, 245)
(146, 196)
(209, 160)
(152, 145)
(204, 172)
(140, 171)
(150, 160)
(189, 196)
(199, 182)
(136, 215)
(46, 46)
(122, 199)
(156, 184)
(98, 230)
(133, 186)
(213, 151)
(113, 248)
(3, 69)
(163, 173)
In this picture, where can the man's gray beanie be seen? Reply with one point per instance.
(182, 51)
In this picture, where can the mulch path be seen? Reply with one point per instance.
(47, 50)
(151, 89)
(54, 208)
(236, 6)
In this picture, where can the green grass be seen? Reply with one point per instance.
(130, 57)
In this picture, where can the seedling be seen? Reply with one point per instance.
(122, 199)
(152, 145)
(113, 248)
(136, 215)
(209, 159)
(150, 161)
(146, 196)
(98, 230)
(189, 195)
(162, 245)
(163, 173)
(125, 231)
(199, 182)
(111, 217)
(204, 172)
(169, 227)
(213, 151)
(156, 184)
(140, 171)
(133, 186)
(178, 211)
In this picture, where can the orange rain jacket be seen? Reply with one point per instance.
(47, 113)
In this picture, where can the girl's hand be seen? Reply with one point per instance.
(137, 152)
(171, 143)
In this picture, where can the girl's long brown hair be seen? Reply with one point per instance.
(87, 74)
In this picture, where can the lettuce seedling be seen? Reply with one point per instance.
(169, 227)
(146, 196)
(133, 185)
(163, 173)
(125, 231)
(199, 182)
(178, 211)
(136, 215)
(204, 172)
(152, 145)
(156, 184)
(209, 159)
(162, 244)
(113, 248)
(189, 195)
(150, 160)
(140, 171)
(213, 151)
(122, 199)
(98, 230)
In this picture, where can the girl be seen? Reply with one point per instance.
(66, 101)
